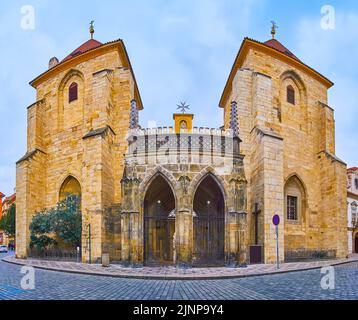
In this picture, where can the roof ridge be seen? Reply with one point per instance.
(69, 57)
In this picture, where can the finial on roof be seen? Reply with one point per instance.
(274, 29)
(92, 28)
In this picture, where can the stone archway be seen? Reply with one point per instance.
(209, 224)
(69, 187)
(159, 223)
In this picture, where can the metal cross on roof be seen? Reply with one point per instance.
(183, 107)
(92, 28)
(274, 29)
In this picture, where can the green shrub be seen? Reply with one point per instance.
(64, 222)
(7, 222)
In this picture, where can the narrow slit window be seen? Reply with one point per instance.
(290, 95)
(73, 92)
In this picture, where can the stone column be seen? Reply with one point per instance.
(136, 239)
(125, 238)
(236, 225)
(131, 224)
(243, 257)
(232, 239)
(184, 226)
(184, 238)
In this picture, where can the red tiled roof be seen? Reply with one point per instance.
(11, 198)
(353, 169)
(89, 45)
(277, 45)
(352, 194)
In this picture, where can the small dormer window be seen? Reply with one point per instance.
(290, 95)
(73, 92)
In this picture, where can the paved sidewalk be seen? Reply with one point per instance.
(171, 273)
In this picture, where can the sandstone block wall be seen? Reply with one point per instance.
(85, 139)
(293, 137)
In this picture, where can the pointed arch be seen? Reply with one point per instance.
(68, 76)
(209, 221)
(299, 180)
(297, 80)
(295, 192)
(152, 174)
(159, 212)
(69, 186)
(195, 183)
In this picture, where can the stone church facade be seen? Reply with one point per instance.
(184, 195)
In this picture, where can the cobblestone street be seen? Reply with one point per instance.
(305, 285)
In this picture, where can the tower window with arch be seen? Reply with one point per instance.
(291, 95)
(295, 200)
(73, 92)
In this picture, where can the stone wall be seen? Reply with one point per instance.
(184, 178)
(293, 137)
(85, 139)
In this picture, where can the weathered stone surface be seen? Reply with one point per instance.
(85, 139)
(281, 140)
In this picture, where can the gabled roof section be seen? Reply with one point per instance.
(89, 45)
(277, 45)
(89, 50)
(275, 49)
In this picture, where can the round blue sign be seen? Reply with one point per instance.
(276, 220)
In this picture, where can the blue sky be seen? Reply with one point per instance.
(180, 50)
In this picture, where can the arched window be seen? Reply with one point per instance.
(295, 199)
(183, 125)
(73, 92)
(290, 95)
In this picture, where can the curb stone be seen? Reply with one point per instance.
(14, 261)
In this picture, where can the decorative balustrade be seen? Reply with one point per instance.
(200, 145)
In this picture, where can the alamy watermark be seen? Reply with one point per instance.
(28, 280)
(328, 281)
(28, 21)
(328, 21)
